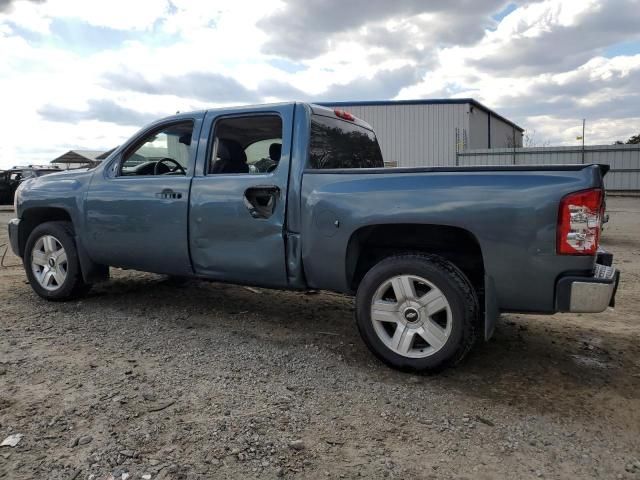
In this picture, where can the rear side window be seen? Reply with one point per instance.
(337, 143)
(246, 144)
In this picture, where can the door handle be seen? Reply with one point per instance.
(168, 194)
(261, 200)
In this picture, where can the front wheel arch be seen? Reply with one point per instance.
(32, 217)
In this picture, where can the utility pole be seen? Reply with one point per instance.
(582, 138)
(583, 122)
(457, 146)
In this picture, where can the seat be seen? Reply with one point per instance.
(271, 163)
(231, 158)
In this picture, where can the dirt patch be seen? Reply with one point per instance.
(149, 380)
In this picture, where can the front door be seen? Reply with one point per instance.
(137, 207)
(238, 198)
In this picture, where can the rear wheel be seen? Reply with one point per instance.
(417, 312)
(177, 280)
(51, 262)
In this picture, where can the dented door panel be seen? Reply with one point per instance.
(236, 221)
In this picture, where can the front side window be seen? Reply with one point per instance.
(247, 144)
(163, 152)
(337, 143)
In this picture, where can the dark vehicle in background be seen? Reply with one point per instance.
(10, 179)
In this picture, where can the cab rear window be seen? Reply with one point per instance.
(337, 143)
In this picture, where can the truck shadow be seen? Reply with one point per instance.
(538, 365)
(545, 368)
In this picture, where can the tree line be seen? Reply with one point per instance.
(633, 140)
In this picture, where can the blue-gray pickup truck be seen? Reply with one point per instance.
(296, 196)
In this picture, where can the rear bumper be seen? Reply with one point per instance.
(14, 235)
(588, 294)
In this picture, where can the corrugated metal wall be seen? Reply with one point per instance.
(623, 159)
(504, 135)
(482, 124)
(427, 134)
(416, 135)
(479, 129)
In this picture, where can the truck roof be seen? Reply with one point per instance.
(315, 108)
(326, 111)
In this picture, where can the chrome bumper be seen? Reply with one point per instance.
(588, 294)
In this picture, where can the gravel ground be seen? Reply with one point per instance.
(143, 380)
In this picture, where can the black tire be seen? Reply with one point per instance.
(73, 285)
(177, 280)
(455, 287)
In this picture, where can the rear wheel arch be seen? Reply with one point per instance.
(370, 244)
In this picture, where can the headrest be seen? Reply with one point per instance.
(185, 139)
(231, 150)
(223, 151)
(275, 151)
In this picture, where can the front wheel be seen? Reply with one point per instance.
(417, 312)
(51, 262)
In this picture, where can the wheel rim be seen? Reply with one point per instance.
(411, 316)
(49, 262)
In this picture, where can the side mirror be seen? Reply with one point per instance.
(114, 166)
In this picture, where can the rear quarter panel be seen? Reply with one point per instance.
(511, 213)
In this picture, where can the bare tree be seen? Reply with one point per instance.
(531, 140)
(632, 141)
(510, 140)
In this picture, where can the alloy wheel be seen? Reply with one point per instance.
(411, 316)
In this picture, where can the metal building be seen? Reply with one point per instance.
(415, 133)
(80, 158)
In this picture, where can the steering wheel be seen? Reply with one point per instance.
(168, 160)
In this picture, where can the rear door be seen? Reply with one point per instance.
(238, 196)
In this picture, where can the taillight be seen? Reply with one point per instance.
(344, 115)
(579, 223)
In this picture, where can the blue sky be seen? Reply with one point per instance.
(508, 8)
(80, 74)
(625, 48)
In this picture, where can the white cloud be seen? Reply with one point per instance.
(27, 15)
(115, 14)
(564, 131)
(542, 65)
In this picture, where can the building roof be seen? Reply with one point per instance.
(79, 156)
(104, 155)
(430, 101)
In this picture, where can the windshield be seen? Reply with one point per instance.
(337, 143)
